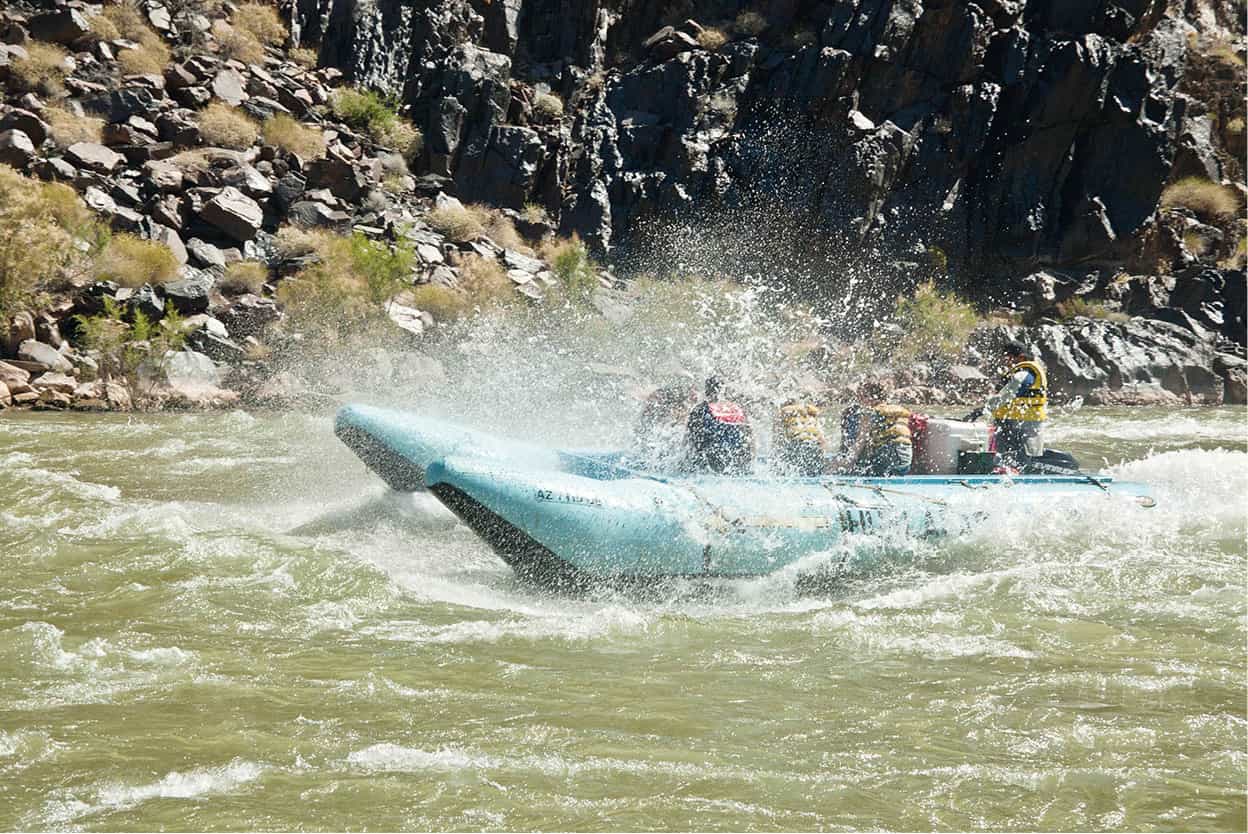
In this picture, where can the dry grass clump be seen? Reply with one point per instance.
(244, 277)
(261, 22)
(485, 281)
(151, 56)
(547, 107)
(455, 222)
(102, 28)
(498, 227)
(295, 242)
(41, 71)
(1080, 307)
(133, 262)
(236, 44)
(226, 127)
(750, 24)
(1238, 259)
(1209, 201)
(36, 235)
(441, 302)
(305, 57)
(288, 134)
(712, 38)
(67, 128)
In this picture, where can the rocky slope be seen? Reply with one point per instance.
(1017, 150)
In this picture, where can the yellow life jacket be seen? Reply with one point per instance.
(1031, 405)
(799, 423)
(890, 426)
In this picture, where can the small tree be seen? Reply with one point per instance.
(936, 324)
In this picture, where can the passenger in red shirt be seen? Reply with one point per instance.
(718, 433)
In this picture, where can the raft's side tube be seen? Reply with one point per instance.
(399, 446)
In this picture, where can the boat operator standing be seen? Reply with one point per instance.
(1020, 408)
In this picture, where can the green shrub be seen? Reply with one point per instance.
(367, 111)
(35, 237)
(1209, 201)
(936, 324)
(570, 261)
(244, 277)
(384, 270)
(348, 286)
(124, 345)
(439, 301)
(133, 262)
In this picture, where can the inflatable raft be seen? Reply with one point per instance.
(574, 517)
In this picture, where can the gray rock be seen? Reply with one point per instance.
(64, 26)
(94, 157)
(190, 294)
(45, 356)
(55, 382)
(16, 149)
(228, 85)
(28, 123)
(234, 213)
(205, 255)
(165, 176)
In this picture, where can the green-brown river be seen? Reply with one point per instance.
(174, 657)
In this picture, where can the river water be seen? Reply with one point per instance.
(222, 622)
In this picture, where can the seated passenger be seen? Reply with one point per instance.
(659, 437)
(875, 437)
(718, 434)
(800, 443)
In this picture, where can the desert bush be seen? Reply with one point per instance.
(244, 277)
(68, 128)
(41, 71)
(535, 213)
(367, 111)
(439, 301)
(570, 261)
(1238, 259)
(936, 324)
(294, 242)
(35, 242)
(455, 222)
(288, 134)
(547, 107)
(133, 262)
(750, 24)
(236, 44)
(1080, 307)
(151, 56)
(1209, 201)
(124, 345)
(348, 286)
(226, 127)
(497, 226)
(102, 28)
(712, 38)
(305, 57)
(261, 22)
(485, 281)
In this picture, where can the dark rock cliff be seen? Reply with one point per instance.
(1010, 134)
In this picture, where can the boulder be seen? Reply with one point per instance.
(667, 43)
(21, 328)
(15, 379)
(64, 26)
(248, 315)
(94, 157)
(45, 356)
(228, 85)
(6, 399)
(27, 122)
(234, 213)
(165, 176)
(54, 381)
(16, 149)
(406, 318)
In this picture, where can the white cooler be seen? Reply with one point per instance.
(936, 449)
